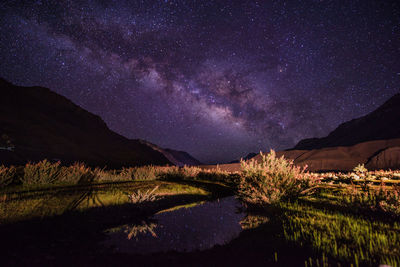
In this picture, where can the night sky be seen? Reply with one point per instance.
(216, 79)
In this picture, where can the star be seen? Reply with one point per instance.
(215, 79)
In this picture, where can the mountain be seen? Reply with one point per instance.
(178, 158)
(373, 140)
(380, 154)
(248, 156)
(182, 158)
(381, 124)
(376, 155)
(36, 123)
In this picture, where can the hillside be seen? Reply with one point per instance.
(373, 140)
(178, 158)
(36, 123)
(381, 154)
(381, 124)
(183, 158)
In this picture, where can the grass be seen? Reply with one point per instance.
(376, 177)
(323, 219)
(351, 223)
(46, 173)
(382, 199)
(48, 201)
(7, 175)
(143, 196)
(349, 238)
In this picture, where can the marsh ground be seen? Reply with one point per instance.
(67, 225)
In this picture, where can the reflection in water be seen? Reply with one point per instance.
(135, 230)
(185, 229)
(253, 221)
(141, 229)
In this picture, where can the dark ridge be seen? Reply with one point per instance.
(184, 157)
(36, 123)
(381, 124)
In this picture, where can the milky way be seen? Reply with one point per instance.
(216, 79)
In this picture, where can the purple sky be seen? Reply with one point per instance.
(218, 79)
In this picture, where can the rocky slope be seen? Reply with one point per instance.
(381, 124)
(376, 155)
(178, 158)
(381, 154)
(373, 140)
(36, 123)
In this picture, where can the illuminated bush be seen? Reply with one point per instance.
(272, 180)
(140, 173)
(360, 168)
(77, 173)
(43, 172)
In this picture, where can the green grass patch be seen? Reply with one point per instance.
(50, 200)
(349, 238)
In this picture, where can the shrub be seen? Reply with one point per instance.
(272, 180)
(128, 173)
(43, 172)
(194, 173)
(110, 175)
(190, 172)
(183, 173)
(7, 175)
(367, 198)
(141, 173)
(360, 168)
(171, 173)
(391, 201)
(140, 197)
(77, 174)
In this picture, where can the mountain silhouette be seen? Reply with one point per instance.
(381, 124)
(36, 123)
(178, 158)
(373, 140)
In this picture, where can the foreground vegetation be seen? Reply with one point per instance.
(47, 173)
(343, 235)
(337, 218)
(273, 180)
(345, 216)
